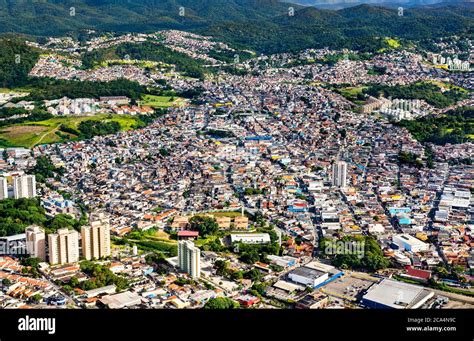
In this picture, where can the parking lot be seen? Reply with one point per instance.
(347, 287)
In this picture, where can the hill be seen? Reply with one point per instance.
(264, 25)
(60, 16)
(359, 28)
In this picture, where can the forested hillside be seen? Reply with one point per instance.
(264, 25)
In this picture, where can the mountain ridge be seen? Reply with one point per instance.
(264, 25)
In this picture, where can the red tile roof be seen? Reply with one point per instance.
(188, 233)
(418, 273)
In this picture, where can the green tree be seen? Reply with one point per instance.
(36, 298)
(221, 303)
(204, 225)
(253, 274)
(60, 221)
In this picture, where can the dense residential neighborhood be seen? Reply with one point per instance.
(291, 180)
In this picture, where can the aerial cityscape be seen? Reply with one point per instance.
(199, 167)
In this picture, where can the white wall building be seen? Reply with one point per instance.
(36, 242)
(24, 186)
(250, 238)
(189, 258)
(308, 276)
(410, 243)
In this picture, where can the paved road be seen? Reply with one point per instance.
(453, 296)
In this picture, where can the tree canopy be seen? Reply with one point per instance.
(204, 225)
(221, 303)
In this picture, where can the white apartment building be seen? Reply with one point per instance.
(189, 258)
(63, 247)
(24, 186)
(36, 242)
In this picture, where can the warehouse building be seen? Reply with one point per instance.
(410, 243)
(120, 301)
(307, 276)
(250, 238)
(391, 294)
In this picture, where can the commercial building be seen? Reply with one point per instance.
(307, 276)
(24, 186)
(36, 242)
(410, 243)
(248, 300)
(250, 238)
(283, 261)
(339, 174)
(314, 301)
(391, 294)
(122, 300)
(96, 238)
(109, 289)
(189, 258)
(63, 246)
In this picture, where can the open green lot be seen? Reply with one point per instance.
(351, 93)
(162, 101)
(447, 86)
(26, 136)
(393, 43)
(43, 132)
(151, 240)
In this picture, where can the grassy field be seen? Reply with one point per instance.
(447, 86)
(16, 90)
(393, 43)
(43, 132)
(350, 93)
(160, 236)
(156, 241)
(162, 101)
(203, 241)
(25, 136)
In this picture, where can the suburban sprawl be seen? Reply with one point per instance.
(174, 170)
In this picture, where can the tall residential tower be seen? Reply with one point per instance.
(189, 258)
(36, 242)
(24, 186)
(63, 246)
(339, 174)
(96, 238)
